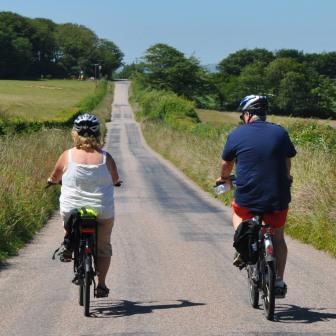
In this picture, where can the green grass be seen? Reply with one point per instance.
(196, 151)
(27, 161)
(218, 118)
(41, 100)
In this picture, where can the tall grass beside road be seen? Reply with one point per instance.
(26, 162)
(312, 215)
(25, 206)
(196, 149)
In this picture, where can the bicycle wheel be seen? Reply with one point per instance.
(81, 295)
(87, 284)
(79, 274)
(253, 285)
(268, 290)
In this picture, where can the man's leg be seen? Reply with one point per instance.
(280, 249)
(236, 220)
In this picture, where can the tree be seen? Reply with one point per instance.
(290, 53)
(278, 69)
(324, 64)
(235, 63)
(109, 56)
(294, 95)
(166, 68)
(76, 45)
(325, 97)
(44, 46)
(16, 52)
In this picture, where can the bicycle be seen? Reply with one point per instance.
(81, 237)
(262, 274)
(257, 256)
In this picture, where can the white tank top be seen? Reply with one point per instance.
(87, 185)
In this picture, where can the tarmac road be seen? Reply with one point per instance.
(171, 272)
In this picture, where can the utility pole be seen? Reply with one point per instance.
(95, 72)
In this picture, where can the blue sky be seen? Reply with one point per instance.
(210, 30)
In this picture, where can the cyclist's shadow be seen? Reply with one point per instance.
(295, 314)
(121, 308)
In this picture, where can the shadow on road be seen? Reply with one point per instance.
(4, 265)
(296, 314)
(104, 309)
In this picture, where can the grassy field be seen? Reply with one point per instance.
(27, 160)
(312, 211)
(41, 100)
(218, 118)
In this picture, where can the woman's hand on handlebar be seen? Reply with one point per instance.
(50, 183)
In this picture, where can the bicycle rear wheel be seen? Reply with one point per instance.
(268, 290)
(81, 295)
(87, 284)
(253, 285)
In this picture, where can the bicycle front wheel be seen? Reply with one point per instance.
(87, 284)
(268, 290)
(253, 285)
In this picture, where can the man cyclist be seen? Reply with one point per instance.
(262, 152)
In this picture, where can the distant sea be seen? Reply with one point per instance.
(211, 67)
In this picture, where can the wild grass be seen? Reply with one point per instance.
(219, 118)
(24, 205)
(26, 162)
(41, 100)
(312, 216)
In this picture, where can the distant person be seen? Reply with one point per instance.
(262, 152)
(88, 176)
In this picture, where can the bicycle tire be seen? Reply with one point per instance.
(268, 290)
(87, 284)
(81, 295)
(252, 287)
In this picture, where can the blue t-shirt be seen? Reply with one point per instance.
(260, 150)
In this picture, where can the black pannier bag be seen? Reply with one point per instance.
(245, 241)
(72, 230)
(86, 218)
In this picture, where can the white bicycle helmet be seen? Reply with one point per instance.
(254, 104)
(87, 125)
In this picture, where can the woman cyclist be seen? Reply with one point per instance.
(88, 176)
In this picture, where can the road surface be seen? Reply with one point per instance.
(172, 270)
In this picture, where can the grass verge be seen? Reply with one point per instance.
(27, 161)
(312, 215)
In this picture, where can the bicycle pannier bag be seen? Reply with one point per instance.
(245, 241)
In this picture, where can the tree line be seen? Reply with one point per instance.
(296, 83)
(35, 48)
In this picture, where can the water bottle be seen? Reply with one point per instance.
(222, 188)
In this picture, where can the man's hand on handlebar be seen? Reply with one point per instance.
(118, 183)
(222, 180)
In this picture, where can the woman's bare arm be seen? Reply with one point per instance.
(112, 167)
(56, 175)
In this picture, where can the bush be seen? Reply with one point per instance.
(165, 106)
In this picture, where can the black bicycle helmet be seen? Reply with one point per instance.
(87, 125)
(254, 104)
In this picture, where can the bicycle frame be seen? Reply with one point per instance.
(261, 276)
(85, 262)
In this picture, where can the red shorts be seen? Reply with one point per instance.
(275, 219)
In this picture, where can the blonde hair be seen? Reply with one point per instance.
(82, 142)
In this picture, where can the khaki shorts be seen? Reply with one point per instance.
(104, 235)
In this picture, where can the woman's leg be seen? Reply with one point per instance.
(104, 249)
